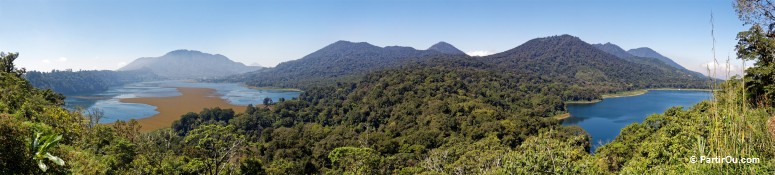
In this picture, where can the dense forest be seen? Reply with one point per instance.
(442, 115)
(85, 81)
(564, 58)
(342, 61)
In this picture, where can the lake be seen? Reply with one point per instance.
(113, 109)
(604, 120)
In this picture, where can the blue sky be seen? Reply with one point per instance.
(107, 34)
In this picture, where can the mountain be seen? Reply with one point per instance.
(617, 51)
(189, 64)
(340, 60)
(564, 59)
(574, 61)
(613, 50)
(649, 53)
(446, 48)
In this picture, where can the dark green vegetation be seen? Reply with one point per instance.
(645, 55)
(584, 70)
(86, 81)
(445, 118)
(435, 115)
(341, 61)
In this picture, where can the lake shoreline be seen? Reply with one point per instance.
(630, 94)
(171, 108)
(562, 116)
(273, 88)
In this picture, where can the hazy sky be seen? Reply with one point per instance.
(108, 34)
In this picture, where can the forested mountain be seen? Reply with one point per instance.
(565, 58)
(189, 64)
(400, 118)
(613, 50)
(648, 53)
(338, 61)
(646, 56)
(86, 81)
(446, 48)
(571, 60)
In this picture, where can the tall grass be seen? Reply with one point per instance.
(736, 129)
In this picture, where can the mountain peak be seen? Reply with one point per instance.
(559, 39)
(650, 53)
(183, 52)
(644, 50)
(613, 49)
(446, 48)
(186, 64)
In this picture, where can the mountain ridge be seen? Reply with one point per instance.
(650, 53)
(189, 64)
(340, 60)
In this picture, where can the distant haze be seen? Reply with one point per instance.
(189, 64)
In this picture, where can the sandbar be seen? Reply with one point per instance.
(171, 108)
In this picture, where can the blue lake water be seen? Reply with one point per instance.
(604, 120)
(113, 109)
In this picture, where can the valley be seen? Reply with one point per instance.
(387, 87)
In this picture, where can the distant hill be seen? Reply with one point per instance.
(645, 56)
(340, 60)
(86, 81)
(619, 52)
(189, 64)
(446, 48)
(572, 60)
(613, 50)
(649, 53)
(564, 59)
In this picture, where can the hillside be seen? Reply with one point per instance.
(446, 48)
(338, 61)
(86, 81)
(649, 53)
(189, 64)
(571, 60)
(647, 56)
(613, 49)
(568, 60)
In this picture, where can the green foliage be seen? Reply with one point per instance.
(551, 152)
(665, 143)
(758, 45)
(86, 81)
(13, 147)
(212, 147)
(40, 147)
(191, 120)
(352, 160)
(7, 66)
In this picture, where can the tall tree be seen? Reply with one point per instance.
(214, 146)
(6, 63)
(758, 44)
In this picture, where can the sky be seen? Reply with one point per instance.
(107, 34)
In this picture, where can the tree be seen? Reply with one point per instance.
(267, 101)
(94, 116)
(758, 44)
(353, 160)
(213, 146)
(6, 64)
(250, 109)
